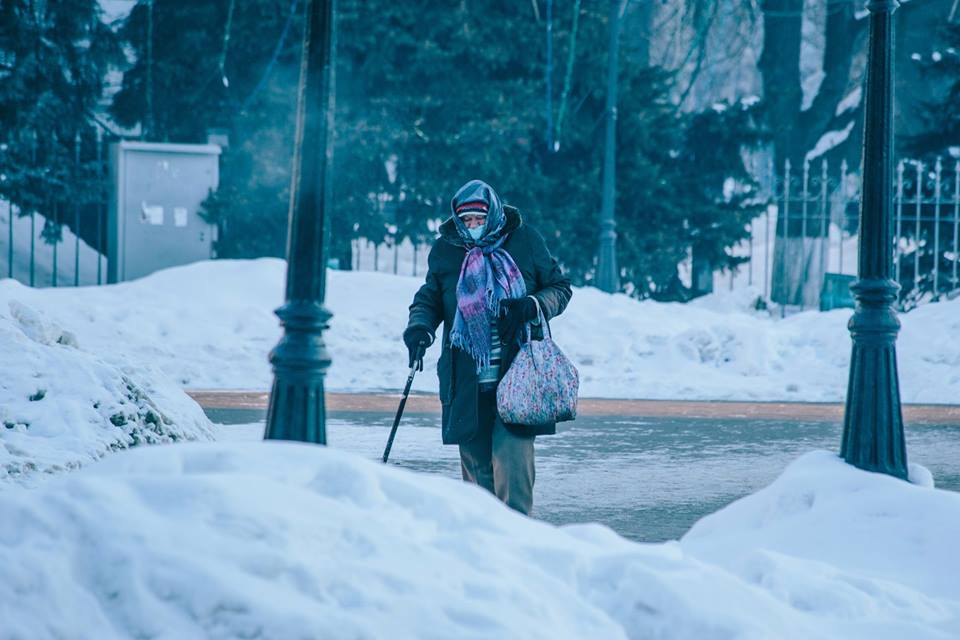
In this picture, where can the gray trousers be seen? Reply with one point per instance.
(498, 460)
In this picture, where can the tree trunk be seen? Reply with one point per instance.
(795, 131)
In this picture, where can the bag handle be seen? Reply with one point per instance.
(543, 322)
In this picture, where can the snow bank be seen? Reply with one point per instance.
(823, 517)
(210, 325)
(62, 406)
(283, 540)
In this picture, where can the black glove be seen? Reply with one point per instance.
(514, 313)
(417, 340)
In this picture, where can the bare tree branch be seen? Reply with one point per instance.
(700, 45)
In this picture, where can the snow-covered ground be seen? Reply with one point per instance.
(62, 406)
(210, 325)
(282, 540)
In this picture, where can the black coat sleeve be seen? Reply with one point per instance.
(553, 288)
(426, 311)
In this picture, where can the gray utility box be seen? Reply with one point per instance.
(156, 192)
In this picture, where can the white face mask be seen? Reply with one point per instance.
(477, 232)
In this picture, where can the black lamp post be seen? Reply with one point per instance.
(300, 359)
(873, 422)
(608, 278)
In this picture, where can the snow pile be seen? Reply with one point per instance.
(62, 406)
(824, 512)
(283, 540)
(211, 325)
(717, 348)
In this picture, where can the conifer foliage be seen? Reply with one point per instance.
(54, 58)
(429, 95)
(938, 140)
(941, 116)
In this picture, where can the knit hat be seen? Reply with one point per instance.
(473, 207)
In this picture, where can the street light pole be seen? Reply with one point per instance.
(300, 359)
(873, 423)
(607, 273)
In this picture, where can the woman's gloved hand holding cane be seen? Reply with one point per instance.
(417, 340)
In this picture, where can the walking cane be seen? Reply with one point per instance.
(403, 402)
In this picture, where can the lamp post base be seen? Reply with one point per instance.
(873, 437)
(300, 361)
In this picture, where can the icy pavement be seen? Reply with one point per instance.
(648, 479)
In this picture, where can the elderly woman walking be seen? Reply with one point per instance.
(489, 274)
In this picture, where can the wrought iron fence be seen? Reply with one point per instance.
(809, 233)
(403, 258)
(53, 239)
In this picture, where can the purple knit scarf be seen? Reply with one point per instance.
(487, 276)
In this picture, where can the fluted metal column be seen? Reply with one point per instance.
(873, 423)
(300, 359)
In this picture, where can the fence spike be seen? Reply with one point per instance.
(803, 228)
(956, 224)
(824, 213)
(936, 228)
(901, 167)
(916, 237)
(786, 229)
(772, 170)
(844, 168)
(76, 212)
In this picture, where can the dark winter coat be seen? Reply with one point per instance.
(436, 302)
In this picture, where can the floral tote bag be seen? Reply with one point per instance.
(541, 385)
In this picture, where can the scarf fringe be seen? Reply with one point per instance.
(480, 356)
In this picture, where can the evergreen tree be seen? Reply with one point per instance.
(54, 57)
(457, 94)
(940, 139)
(443, 94)
(941, 116)
(697, 203)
